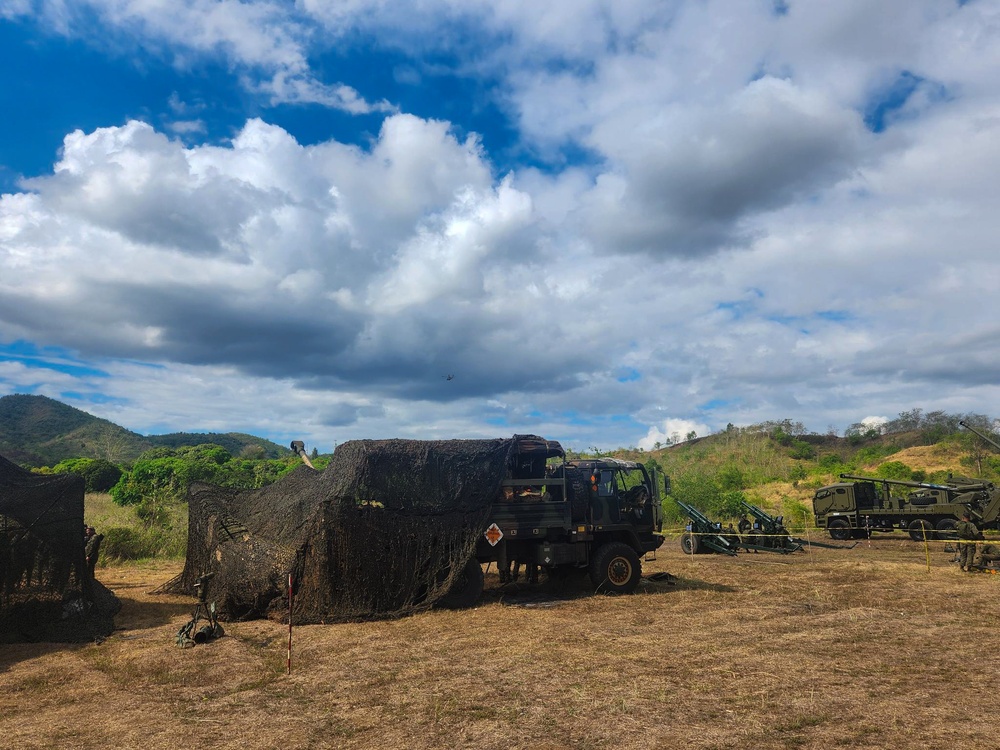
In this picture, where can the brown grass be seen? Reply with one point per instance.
(859, 648)
(931, 458)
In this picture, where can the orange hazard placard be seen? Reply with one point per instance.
(493, 534)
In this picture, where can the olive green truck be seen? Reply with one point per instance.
(861, 505)
(855, 508)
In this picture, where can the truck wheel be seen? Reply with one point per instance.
(690, 543)
(946, 529)
(839, 529)
(468, 587)
(920, 530)
(615, 569)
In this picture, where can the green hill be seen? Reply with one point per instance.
(771, 467)
(40, 431)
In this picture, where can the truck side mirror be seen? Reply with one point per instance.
(666, 484)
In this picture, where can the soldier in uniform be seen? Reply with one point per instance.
(967, 536)
(92, 548)
(744, 525)
(988, 556)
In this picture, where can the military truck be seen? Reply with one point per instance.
(865, 504)
(862, 505)
(602, 515)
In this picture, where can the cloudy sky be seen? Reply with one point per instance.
(608, 222)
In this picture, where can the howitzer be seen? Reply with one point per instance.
(777, 537)
(972, 493)
(958, 485)
(704, 535)
(769, 533)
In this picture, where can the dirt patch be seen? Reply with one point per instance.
(930, 458)
(861, 648)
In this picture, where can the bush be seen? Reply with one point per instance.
(98, 474)
(802, 450)
(121, 543)
(895, 470)
(171, 471)
(797, 514)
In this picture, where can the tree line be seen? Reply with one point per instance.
(166, 473)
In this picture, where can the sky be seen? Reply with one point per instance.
(607, 222)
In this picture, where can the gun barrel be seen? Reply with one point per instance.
(299, 448)
(973, 430)
(902, 483)
(756, 512)
(696, 515)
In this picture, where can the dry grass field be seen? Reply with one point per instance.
(860, 648)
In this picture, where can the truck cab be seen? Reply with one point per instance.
(601, 514)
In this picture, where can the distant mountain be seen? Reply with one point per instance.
(40, 431)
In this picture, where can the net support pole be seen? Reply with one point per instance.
(288, 661)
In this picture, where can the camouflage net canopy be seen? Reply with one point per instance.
(383, 531)
(46, 590)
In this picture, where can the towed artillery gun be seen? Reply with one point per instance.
(770, 534)
(704, 535)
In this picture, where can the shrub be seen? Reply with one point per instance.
(98, 474)
(802, 450)
(797, 514)
(797, 473)
(895, 470)
(121, 543)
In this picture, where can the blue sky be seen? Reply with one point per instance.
(611, 223)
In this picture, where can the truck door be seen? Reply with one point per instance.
(605, 508)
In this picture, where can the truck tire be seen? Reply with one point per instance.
(690, 543)
(468, 587)
(920, 530)
(615, 569)
(945, 529)
(839, 529)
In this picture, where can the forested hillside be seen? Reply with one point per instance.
(39, 431)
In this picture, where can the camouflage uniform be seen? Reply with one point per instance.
(988, 556)
(967, 534)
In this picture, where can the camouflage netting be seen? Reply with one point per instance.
(46, 590)
(382, 531)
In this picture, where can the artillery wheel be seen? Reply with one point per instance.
(946, 529)
(839, 529)
(920, 530)
(468, 587)
(690, 543)
(615, 569)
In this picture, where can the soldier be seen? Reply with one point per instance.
(92, 548)
(967, 535)
(988, 556)
(744, 527)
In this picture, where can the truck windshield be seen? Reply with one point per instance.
(629, 478)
